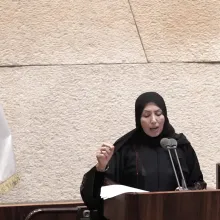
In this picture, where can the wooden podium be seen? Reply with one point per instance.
(63, 210)
(182, 205)
(218, 176)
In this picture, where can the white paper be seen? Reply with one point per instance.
(115, 190)
(7, 160)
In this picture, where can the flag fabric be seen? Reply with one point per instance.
(8, 176)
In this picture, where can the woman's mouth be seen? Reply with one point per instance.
(153, 129)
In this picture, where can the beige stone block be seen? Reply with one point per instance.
(59, 116)
(178, 30)
(68, 32)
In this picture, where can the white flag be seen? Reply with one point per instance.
(7, 160)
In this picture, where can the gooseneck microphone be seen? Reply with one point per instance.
(171, 144)
(165, 143)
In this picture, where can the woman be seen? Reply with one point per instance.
(138, 160)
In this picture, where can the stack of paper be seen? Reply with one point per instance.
(115, 190)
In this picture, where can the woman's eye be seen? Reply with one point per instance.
(159, 113)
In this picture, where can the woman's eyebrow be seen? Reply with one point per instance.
(148, 111)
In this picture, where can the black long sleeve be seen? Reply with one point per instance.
(195, 178)
(90, 188)
(93, 181)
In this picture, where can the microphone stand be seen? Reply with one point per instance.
(171, 144)
(181, 171)
(184, 187)
(174, 169)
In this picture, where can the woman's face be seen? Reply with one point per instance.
(152, 120)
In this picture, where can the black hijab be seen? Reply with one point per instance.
(141, 102)
(137, 134)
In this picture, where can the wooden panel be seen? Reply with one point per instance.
(218, 176)
(190, 205)
(44, 211)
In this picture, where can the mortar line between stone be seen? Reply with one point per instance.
(109, 64)
(138, 30)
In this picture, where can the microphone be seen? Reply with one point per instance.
(166, 143)
(171, 144)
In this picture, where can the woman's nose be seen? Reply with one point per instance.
(153, 119)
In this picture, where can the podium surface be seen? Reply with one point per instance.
(181, 205)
